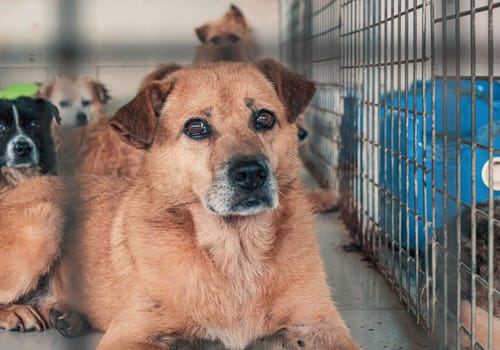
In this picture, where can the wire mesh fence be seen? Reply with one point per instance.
(406, 126)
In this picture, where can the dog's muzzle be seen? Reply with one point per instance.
(81, 119)
(244, 186)
(21, 152)
(228, 53)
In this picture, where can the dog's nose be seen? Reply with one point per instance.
(81, 118)
(302, 134)
(249, 174)
(22, 148)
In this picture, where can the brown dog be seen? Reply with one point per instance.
(229, 38)
(214, 238)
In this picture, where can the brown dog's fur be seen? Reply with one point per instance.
(96, 149)
(148, 261)
(31, 235)
(481, 331)
(229, 38)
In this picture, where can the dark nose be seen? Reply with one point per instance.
(249, 174)
(81, 118)
(226, 53)
(22, 148)
(302, 134)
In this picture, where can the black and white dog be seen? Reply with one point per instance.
(25, 136)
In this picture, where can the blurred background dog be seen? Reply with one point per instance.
(80, 99)
(229, 38)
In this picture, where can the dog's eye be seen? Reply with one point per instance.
(197, 128)
(3, 128)
(34, 123)
(233, 38)
(264, 120)
(64, 104)
(215, 40)
(85, 103)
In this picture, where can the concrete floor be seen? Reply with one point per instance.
(378, 320)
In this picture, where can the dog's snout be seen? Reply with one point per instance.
(81, 118)
(249, 174)
(22, 149)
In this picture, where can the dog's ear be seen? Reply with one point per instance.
(137, 120)
(160, 73)
(235, 13)
(55, 111)
(44, 108)
(100, 92)
(45, 90)
(294, 91)
(202, 32)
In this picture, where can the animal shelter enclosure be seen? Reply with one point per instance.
(405, 126)
(404, 129)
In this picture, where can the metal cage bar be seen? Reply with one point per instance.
(406, 126)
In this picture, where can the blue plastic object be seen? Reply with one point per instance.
(446, 95)
(398, 151)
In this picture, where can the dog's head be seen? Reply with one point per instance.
(229, 38)
(224, 133)
(79, 99)
(25, 139)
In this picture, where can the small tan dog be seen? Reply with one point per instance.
(229, 38)
(214, 238)
(80, 99)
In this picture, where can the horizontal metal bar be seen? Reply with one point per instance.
(466, 13)
(323, 8)
(383, 64)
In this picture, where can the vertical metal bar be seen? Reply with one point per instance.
(473, 177)
(415, 166)
(433, 162)
(458, 171)
(491, 209)
(381, 204)
(406, 157)
(395, 227)
(424, 158)
(388, 204)
(444, 59)
(359, 116)
(400, 158)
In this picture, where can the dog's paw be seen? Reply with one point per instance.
(318, 336)
(21, 318)
(323, 200)
(16, 176)
(68, 324)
